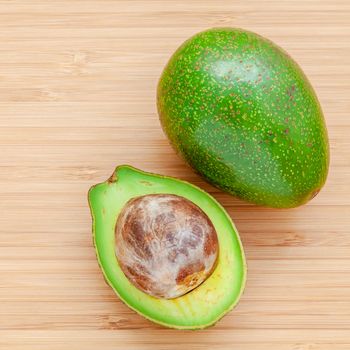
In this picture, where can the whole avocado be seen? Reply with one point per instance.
(242, 113)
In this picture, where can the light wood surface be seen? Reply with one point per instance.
(77, 98)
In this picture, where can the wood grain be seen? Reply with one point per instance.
(77, 98)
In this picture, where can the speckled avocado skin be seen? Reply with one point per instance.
(242, 113)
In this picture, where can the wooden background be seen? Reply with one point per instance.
(77, 98)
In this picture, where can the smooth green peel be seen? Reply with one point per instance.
(242, 113)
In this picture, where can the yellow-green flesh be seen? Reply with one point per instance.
(204, 305)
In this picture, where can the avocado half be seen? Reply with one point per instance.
(201, 307)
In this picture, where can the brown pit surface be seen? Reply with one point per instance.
(165, 244)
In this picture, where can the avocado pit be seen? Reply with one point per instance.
(165, 244)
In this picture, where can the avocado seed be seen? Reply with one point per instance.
(165, 244)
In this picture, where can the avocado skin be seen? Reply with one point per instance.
(242, 113)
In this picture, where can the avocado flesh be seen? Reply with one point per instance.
(199, 308)
(241, 112)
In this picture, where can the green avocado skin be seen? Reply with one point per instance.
(242, 113)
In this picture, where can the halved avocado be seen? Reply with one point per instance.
(199, 308)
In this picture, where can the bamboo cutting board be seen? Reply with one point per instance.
(77, 98)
